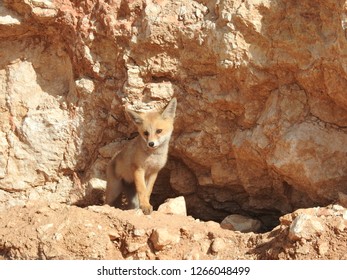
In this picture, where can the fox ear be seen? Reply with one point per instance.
(135, 117)
(170, 110)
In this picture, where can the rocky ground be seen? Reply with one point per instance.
(58, 231)
(261, 126)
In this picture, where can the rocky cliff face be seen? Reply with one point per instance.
(262, 115)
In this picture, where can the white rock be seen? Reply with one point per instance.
(304, 227)
(241, 223)
(7, 17)
(160, 90)
(217, 245)
(139, 232)
(176, 206)
(323, 248)
(161, 238)
(344, 215)
(44, 228)
(341, 225)
(152, 11)
(43, 3)
(85, 85)
(96, 184)
(338, 207)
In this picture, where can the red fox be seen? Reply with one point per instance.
(140, 161)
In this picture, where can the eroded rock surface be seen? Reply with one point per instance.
(262, 115)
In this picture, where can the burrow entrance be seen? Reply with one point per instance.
(205, 203)
(204, 206)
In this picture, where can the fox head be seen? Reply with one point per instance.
(155, 128)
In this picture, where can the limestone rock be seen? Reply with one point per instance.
(86, 86)
(324, 248)
(97, 184)
(241, 223)
(305, 226)
(176, 206)
(217, 245)
(162, 238)
(8, 17)
(162, 91)
(261, 119)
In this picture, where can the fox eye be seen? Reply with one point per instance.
(146, 133)
(158, 131)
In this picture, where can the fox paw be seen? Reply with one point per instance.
(148, 209)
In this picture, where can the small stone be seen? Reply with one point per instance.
(226, 16)
(160, 90)
(91, 234)
(43, 3)
(193, 254)
(55, 206)
(142, 256)
(341, 225)
(241, 223)
(58, 236)
(175, 206)
(44, 228)
(217, 245)
(337, 207)
(161, 238)
(323, 248)
(96, 184)
(139, 232)
(113, 234)
(134, 246)
(304, 227)
(85, 85)
(105, 209)
(7, 17)
(138, 212)
(304, 249)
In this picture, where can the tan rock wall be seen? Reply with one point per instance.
(262, 115)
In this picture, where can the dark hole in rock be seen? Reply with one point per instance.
(206, 203)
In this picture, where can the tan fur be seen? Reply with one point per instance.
(141, 160)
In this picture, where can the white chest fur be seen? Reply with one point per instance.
(155, 161)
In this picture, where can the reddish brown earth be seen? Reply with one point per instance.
(261, 126)
(58, 231)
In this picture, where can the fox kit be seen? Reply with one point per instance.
(140, 161)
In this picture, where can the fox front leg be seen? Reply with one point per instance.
(141, 189)
(150, 183)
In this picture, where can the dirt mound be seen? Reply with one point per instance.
(58, 231)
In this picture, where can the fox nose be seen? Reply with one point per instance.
(151, 144)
